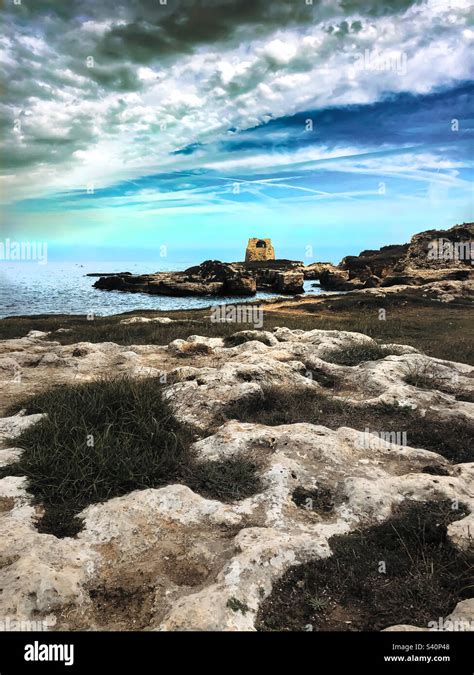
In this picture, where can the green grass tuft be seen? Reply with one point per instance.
(353, 355)
(107, 438)
(237, 606)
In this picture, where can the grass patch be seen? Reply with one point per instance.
(451, 439)
(109, 330)
(426, 375)
(228, 480)
(320, 499)
(429, 326)
(404, 571)
(241, 337)
(355, 354)
(104, 439)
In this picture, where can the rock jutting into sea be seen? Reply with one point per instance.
(213, 278)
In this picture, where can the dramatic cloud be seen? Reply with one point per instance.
(168, 105)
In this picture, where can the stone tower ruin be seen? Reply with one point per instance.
(259, 249)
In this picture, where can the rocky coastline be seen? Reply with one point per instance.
(432, 256)
(169, 472)
(212, 278)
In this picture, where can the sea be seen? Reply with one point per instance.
(30, 288)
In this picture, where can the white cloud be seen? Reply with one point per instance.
(279, 51)
(198, 97)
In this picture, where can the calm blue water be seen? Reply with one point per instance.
(62, 288)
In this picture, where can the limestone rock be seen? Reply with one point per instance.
(314, 270)
(290, 282)
(210, 278)
(338, 280)
(10, 427)
(191, 563)
(431, 256)
(9, 367)
(441, 291)
(374, 262)
(440, 249)
(37, 334)
(143, 319)
(9, 456)
(417, 277)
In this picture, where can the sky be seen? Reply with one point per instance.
(175, 130)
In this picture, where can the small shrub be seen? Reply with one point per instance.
(237, 606)
(317, 604)
(246, 336)
(425, 375)
(191, 349)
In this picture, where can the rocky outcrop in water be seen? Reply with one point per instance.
(314, 270)
(211, 278)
